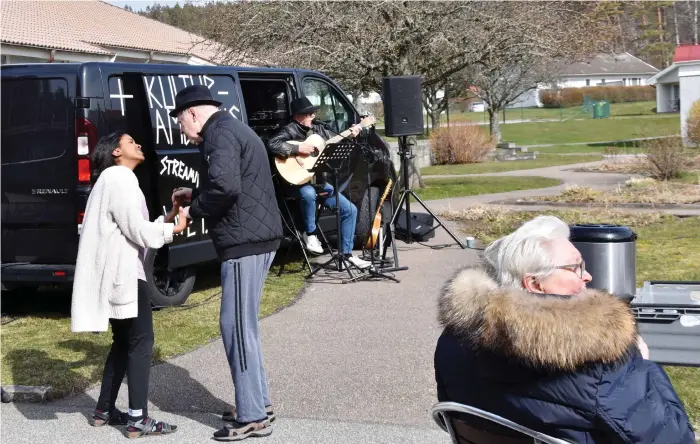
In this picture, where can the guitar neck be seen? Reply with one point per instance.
(339, 137)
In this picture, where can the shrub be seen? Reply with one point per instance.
(460, 144)
(665, 158)
(693, 124)
(565, 97)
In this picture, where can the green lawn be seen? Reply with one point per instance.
(39, 349)
(667, 249)
(471, 186)
(616, 110)
(589, 130)
(632, 109)
(497, 167)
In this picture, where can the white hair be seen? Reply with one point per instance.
(525, 251)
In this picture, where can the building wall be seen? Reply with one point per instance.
(690, 93)
(598, 80)
(665, 98)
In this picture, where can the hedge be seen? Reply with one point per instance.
(553, 98)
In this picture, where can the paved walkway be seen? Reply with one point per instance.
(568, 174)
(347, 363)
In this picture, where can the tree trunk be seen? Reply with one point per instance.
(434, 119)
(494, 126)
(695, 23)
(675, 24)
(415, 180)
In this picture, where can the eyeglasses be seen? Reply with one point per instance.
(579, 269)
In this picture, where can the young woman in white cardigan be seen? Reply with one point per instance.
(110, 283)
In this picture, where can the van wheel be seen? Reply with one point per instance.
(364, 219)
(168, 286)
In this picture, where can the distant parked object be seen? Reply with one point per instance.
(477, 107)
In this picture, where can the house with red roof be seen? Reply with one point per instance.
(92, 31)
(678, 86)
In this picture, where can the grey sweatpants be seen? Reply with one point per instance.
(242, 283)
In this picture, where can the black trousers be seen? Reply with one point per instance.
(132, 352)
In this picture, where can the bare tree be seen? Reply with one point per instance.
(502, 84)
(529, 42)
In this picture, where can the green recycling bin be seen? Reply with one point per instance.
(601, 109)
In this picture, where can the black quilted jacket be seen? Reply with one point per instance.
(236, 197)
(279, 146)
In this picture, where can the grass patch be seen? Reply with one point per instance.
(589, 130)
(471, 186)
(666, 250)
(636, 190)
(38, 347)
(545, 160)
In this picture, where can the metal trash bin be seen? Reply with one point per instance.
(610, 255)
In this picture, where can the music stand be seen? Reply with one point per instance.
(331, 160)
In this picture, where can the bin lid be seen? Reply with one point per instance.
(603, 233)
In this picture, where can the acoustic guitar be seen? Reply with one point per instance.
(377, 223)
(298, 174)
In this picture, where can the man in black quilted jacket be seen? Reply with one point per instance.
(237, 200)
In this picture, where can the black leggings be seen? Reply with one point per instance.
(132, 351)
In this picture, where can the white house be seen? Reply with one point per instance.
(603, 70)
(91, 30)
(678, 86)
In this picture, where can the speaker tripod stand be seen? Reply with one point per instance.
(406, 194)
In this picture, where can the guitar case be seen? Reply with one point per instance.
(421, 226)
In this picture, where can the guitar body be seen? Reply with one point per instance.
(298, 174)
(292, 171)
(377, 222)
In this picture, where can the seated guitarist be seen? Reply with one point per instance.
(300, 128)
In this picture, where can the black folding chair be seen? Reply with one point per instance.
(290, 219)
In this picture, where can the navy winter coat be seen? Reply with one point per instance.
(568, 367)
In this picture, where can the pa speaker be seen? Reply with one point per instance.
(403, 108)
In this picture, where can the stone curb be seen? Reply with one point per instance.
(598, 205)
(27, 393)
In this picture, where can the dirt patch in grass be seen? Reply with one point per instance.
(640, 190)
(667, 249)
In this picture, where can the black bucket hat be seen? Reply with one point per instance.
(302, 105)
(192, 96)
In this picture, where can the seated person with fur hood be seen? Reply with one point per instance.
(524, 339)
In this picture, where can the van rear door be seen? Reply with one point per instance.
(39, 167)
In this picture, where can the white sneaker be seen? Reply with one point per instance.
(312, 243)
(359, 263)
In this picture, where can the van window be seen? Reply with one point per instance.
(37, 119)
(266, 104)
(334, 111)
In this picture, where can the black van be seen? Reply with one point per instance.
(53, 115)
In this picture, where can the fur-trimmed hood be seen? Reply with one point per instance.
(542, 331)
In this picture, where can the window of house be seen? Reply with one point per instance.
(588, 82)
(333, 111)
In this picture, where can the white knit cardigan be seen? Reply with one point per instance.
(105, 284)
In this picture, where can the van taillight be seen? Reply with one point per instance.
(86, 134)
(84, 170)
(81, 216)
